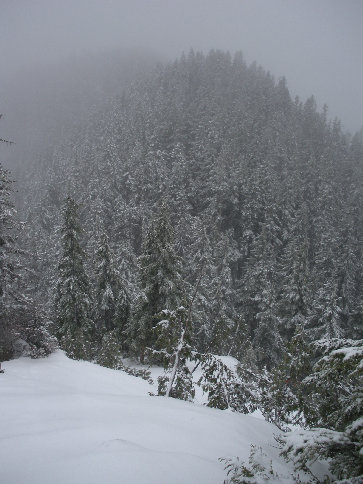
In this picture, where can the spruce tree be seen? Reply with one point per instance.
(9, 298)
(172, 347)
(160, 274)
(263, 293)
(111, 299)
(284, 398)
(112, 306)
(294, 295)
(335, 407)
(227, 387)
(73, 302)
(34, 330)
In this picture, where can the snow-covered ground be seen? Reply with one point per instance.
(71, 422)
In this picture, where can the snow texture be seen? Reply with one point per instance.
(65, 421)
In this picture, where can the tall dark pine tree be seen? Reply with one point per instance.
(73, 292)
(160, 274)
(8, 295)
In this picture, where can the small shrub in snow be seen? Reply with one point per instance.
(34, 336)
(109, 354)
(138, 372)
(172, 348)
(257, 470)
(226, 388)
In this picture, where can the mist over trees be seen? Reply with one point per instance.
(200, 211)
(262, 192)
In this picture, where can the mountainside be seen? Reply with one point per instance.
(263, 194)
(201, 212)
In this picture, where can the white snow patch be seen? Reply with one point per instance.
(350, 352)
(72, 422)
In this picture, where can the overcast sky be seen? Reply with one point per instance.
(316, 44)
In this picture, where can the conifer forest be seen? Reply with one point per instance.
(199, 211)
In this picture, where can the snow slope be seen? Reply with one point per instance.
(71, 422)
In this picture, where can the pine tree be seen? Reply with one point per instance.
(336, 406)
(160, 274)
(219, 293)
(284, 397)
(294, 295)
(227, 388)
(266, 339)
(112, 306)
(172, 347)
(73, 302)
(109, 352)
(262, 240)
(9, 298)
(35, 330)
(112, 302)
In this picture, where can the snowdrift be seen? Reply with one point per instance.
(73, 422)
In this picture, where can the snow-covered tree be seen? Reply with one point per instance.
(9, 297)
(295, 286)
(111, 299)
(160, 275)
(109, 351)
(336, 409)
(172, 347)
(227, 388)
(34, 331)
(261, 288)
(283, 397)
(73, 301)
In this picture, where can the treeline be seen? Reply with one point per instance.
(263, 195)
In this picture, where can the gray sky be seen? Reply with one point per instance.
(316, 44)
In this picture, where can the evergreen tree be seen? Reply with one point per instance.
(284, 398)
(213, 310)
(73, 302)
(228, 388)
(172, 347)
(263, 286)
(336, 407)
(9, 296)
(294, 294)
(112, 307)
(241, 344)
(109, 352)
(112, 302)
(160, 275)
(35, 331)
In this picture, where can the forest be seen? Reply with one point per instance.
(201, 212)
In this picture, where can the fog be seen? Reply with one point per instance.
(316, 44)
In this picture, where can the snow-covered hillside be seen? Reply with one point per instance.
(65, 421)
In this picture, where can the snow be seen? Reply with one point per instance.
(65, 421)
(349, 352)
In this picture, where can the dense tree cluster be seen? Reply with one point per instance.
(262, 192)
(8, 294)
(24, 327)
(206, 213)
